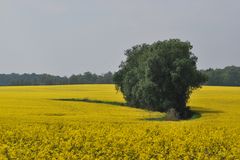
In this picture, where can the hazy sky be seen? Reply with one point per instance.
(72, 36)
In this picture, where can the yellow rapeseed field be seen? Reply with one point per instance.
(34, 125)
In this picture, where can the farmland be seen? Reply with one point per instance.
(34, 124)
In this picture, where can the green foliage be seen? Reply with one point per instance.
(159, 76)
(46, 79)
(229, 76)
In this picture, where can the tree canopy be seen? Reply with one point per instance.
(159, 76)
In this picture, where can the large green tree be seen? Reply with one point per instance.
(159, 76)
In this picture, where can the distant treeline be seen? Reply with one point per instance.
(47, 79)
(229, 76)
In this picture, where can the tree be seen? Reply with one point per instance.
(159, 76)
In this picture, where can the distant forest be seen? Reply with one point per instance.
(229, 76)
(47, 79)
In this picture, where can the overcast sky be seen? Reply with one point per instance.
(63, 37)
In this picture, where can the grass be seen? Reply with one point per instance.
(195, 113)
(92, 101)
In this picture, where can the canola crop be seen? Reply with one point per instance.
(35, 125)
